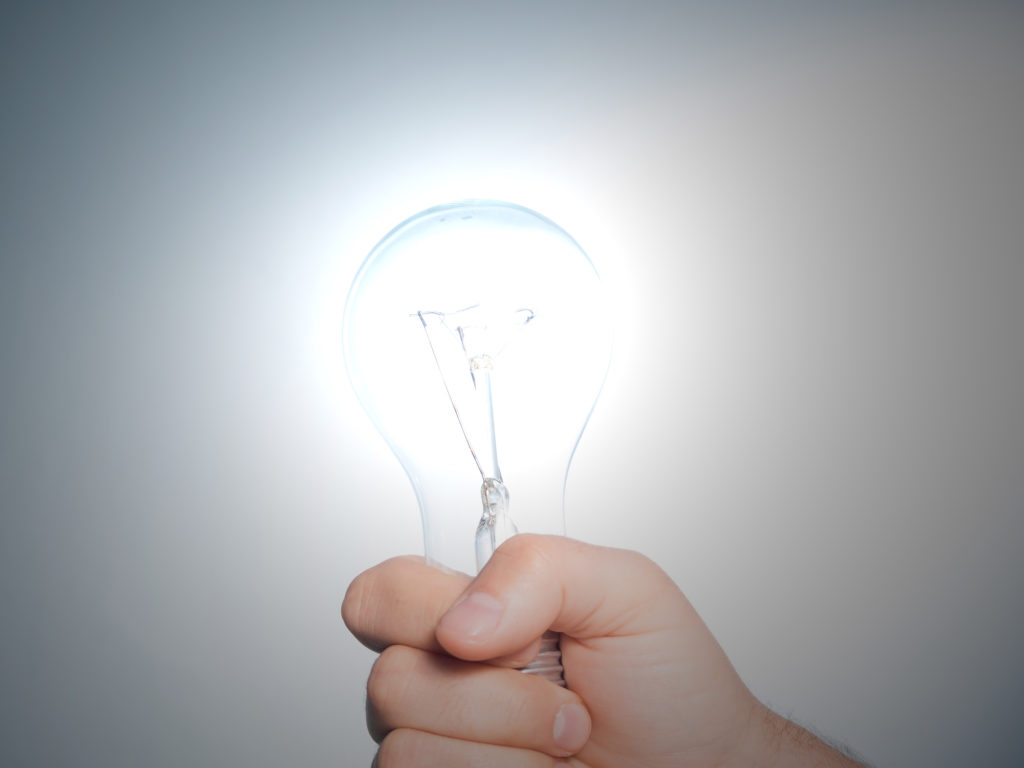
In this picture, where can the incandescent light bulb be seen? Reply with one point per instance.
(477, 339)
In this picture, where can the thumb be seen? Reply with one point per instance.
(533, 583)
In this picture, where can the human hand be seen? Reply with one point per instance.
(648, 685)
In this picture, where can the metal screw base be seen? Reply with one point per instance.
(548, 663)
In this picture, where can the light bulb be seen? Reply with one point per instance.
(477, 339)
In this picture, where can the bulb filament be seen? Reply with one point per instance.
(468, 341)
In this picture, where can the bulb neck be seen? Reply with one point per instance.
(496, 526)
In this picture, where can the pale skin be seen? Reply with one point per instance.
(647, 684)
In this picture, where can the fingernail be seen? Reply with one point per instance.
(572, 727)
(474, 617)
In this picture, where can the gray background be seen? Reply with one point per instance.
(812, 216)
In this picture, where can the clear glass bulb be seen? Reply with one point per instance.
(477, 338)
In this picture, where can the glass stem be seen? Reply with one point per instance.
(495, 523)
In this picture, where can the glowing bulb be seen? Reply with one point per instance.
(477, 339)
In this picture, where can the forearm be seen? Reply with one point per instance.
(775, 742)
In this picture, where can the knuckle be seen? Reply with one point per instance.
(366, 600)
(389, 677)
(530, 550)
(398, 750)
(641, 563)
(353, 606)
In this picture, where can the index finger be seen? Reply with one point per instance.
(399, 602)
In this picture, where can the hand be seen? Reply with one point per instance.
(648, 686)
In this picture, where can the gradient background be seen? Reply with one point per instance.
(813, 219)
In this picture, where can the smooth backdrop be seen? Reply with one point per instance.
(812, 219)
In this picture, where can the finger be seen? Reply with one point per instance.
(472, 702)
(407, 748)
(533, 583)
(399, 602)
